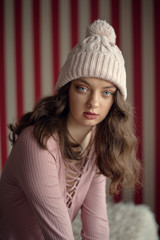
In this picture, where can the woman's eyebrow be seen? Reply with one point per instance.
(109, 87)
(85, 82)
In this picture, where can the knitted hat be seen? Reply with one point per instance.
(96, 56)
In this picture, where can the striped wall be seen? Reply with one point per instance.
(35, 37)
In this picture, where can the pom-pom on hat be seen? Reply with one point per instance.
(96, 56)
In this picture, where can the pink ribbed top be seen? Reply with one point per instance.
(40, 195)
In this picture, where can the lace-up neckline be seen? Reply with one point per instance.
(73, 172)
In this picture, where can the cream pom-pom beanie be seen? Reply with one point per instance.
(96, 56)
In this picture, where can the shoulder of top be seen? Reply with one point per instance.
(53, 142)
(27, 136)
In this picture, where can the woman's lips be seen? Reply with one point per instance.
(90, 115)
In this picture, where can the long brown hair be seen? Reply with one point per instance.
(115, 141)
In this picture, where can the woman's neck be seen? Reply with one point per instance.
(80, 135)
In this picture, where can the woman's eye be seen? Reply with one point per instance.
(82, 89)
(108, 93)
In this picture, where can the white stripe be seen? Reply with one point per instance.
(148, 102)
(10, 64)
(46, 48)
(126, 47)
(27, 53)
(104, 10)
(84, 17)
(65, 32)
(126, 43)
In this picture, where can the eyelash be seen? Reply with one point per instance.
(79, 88)
(110, 93)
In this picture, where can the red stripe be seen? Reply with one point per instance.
(18, 52)
(157, 105)
(94, 9)
(74, 22)
(37, 53)
(55, 40)
(137, 79)
(3, 130)
(115, 19)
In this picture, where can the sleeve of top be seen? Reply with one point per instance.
(38, 177)
(94, 211)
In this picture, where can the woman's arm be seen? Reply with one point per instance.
(38, 177)
(94, 212)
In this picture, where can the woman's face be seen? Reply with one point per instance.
(90, 100)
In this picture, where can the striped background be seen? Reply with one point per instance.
(35, 37)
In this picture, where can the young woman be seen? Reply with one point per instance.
(66, 147)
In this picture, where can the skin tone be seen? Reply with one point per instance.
(90, 100)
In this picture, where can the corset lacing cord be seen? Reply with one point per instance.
(73, 176)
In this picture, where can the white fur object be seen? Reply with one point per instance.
(127, 221)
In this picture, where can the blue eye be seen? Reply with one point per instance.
(82, 89)
(108, 93)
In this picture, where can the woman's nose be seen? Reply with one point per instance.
(93, 101)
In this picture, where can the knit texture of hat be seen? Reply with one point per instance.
(96, 56)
